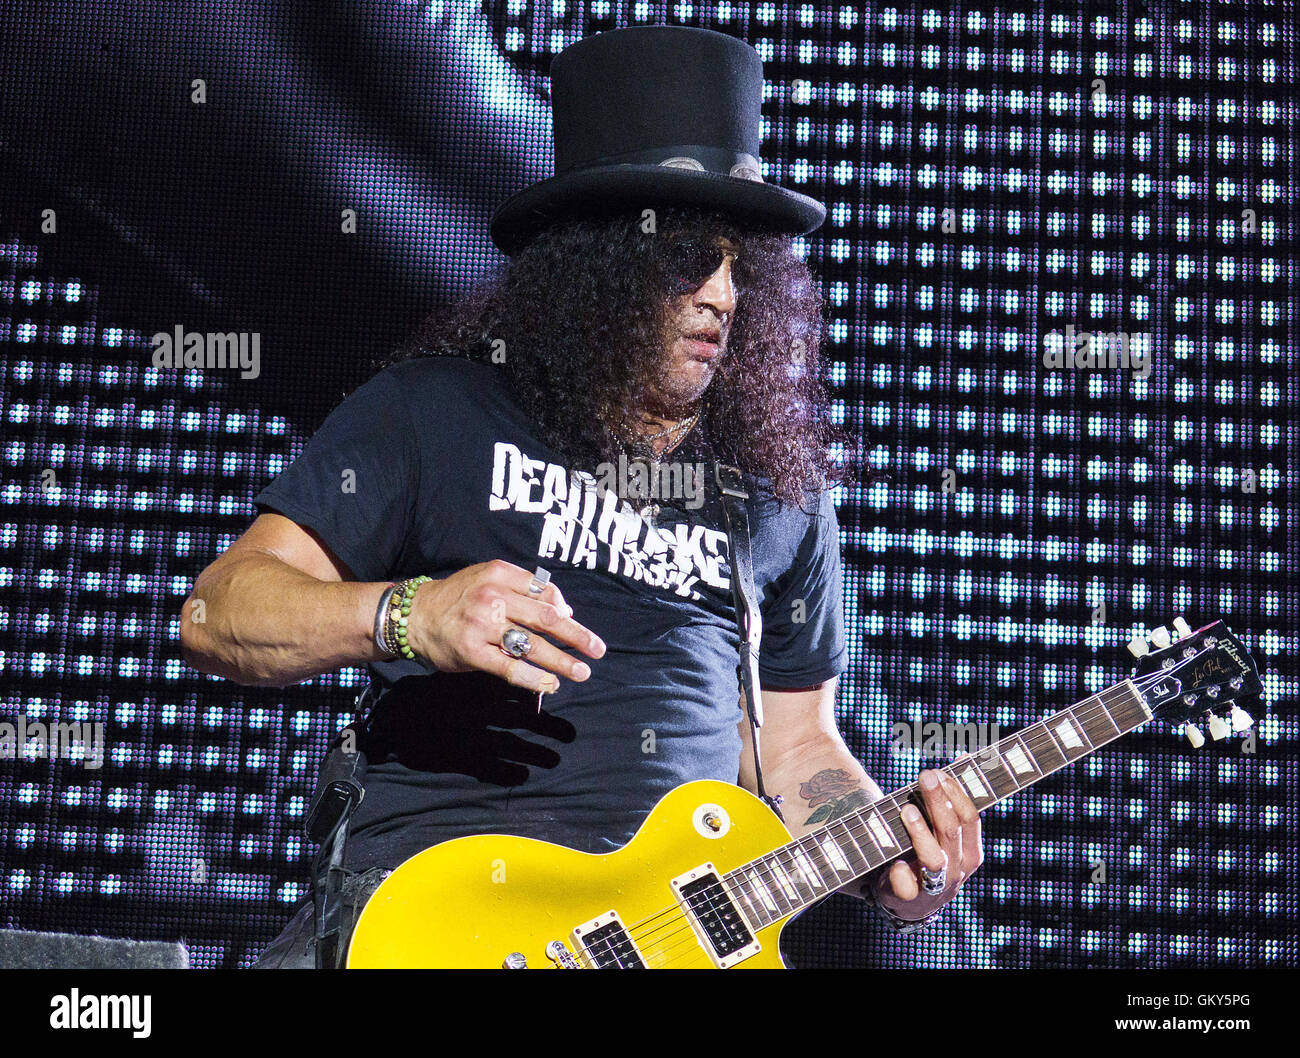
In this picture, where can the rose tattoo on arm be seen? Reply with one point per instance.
(833, 792)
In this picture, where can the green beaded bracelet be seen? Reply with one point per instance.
(399, 610)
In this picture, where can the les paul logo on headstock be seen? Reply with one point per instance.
(1213, 667)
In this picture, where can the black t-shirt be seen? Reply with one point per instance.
(430, 467)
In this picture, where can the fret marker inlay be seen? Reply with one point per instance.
(880, 832)
(760, 888)
(833, 853)
(1069, 737)
(1018, 760)
(784, 879)
(974, 782)
(807, 870)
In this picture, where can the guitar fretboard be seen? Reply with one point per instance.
(785, 881)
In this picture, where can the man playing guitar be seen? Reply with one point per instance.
(653, 318)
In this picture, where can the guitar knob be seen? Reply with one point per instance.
(515, 961)
(1218, 729)
(1137, 646)
(1241, 720)
(1194, 735)
(1182, 628)
(561, 956)
(1160, 637)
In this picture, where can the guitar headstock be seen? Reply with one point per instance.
(1189, 674)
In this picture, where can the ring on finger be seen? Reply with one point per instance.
(516, 643)
(933, 882)
(541, 578)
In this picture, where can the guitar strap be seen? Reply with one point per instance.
(339, 790)
(749, 619)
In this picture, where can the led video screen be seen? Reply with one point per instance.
(1059, 288)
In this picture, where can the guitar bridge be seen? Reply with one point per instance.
(715, 917)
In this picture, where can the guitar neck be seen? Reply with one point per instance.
(789, 879)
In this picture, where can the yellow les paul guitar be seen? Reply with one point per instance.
(712, 876)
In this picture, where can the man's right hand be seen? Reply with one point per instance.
(457, 624)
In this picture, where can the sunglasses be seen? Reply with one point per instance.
(688, 264)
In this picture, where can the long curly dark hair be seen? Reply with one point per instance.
(582, 312)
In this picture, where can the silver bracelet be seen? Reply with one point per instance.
(380, 616)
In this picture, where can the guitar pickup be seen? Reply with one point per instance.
(607, 944)
(717, 921)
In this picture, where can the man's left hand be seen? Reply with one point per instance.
(953, 846)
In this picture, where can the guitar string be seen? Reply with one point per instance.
(1086, 712)
(895, 796)
(1090, 709)
(669, 944)
(641, 935)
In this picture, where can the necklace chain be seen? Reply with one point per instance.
(684, 426)
(650, 511)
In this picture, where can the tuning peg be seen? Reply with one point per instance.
(1241, 720)
(1218, 729)
(1137, 646)
(1182, 628)
(1160, 637)
(1194, 735)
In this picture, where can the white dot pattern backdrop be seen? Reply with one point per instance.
(1060, 302)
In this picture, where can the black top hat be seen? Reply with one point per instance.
(652, 115)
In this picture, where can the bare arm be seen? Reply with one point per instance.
(806, 761)
(279, 607)
(799, 740)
